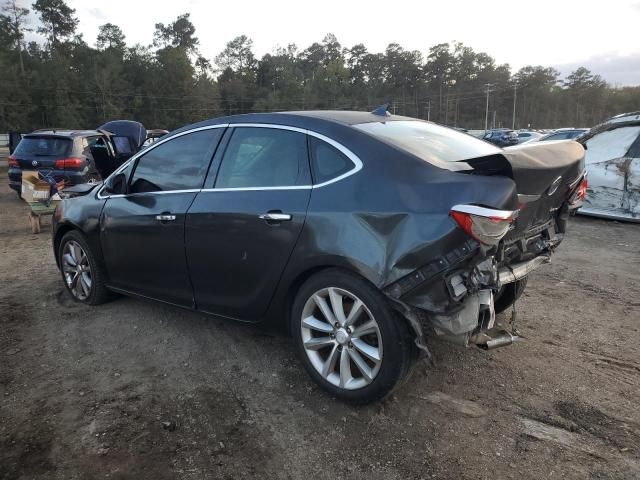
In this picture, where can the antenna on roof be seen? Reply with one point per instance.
(382, 110)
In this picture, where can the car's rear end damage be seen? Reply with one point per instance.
(453, 296)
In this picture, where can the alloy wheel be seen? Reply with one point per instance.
(76, 270)
(341, 338)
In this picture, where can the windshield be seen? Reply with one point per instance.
(43, 146)
(428, 141)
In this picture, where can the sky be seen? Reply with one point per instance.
(603, 36)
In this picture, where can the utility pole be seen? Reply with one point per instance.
(429, 111)
(455, 121)
(513, 120)
(486, 113)
(446, 114)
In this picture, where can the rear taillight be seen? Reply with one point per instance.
(486, 225)
(67, 163)
(579, 194)
(13, 163)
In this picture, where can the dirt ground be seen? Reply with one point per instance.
(137, 390)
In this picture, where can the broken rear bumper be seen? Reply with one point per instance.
(470, 318)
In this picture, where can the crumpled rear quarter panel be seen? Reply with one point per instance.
(387, 226)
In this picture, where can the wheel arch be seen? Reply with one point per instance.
(280, 310)
(61, 231)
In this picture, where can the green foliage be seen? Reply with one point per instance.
(58, 21)
(110, 37)
(178, 34)
(67, 83)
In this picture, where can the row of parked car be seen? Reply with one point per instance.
(612, 162)
(504, 137)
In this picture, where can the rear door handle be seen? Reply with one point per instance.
(165, 217)
(275, 217)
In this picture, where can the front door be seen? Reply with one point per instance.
(240, 231)
(142, 231)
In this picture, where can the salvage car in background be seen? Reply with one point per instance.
(77, 157)
(613, 166)
(527, 136)
(562, 134)
(361, 233)
(64, 155)
(502, 137)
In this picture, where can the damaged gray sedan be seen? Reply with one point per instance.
(361, 233)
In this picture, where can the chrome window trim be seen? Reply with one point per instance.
(357, 163)
(255, 189)
(147, 150)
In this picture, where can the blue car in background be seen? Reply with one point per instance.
(502, 137)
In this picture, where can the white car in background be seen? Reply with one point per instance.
(562, 134)
(612, 162)
(527, 136)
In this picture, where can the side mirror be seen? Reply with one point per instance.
(116, 185)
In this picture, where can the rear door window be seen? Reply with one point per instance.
(87, 143)
(264, 157)
(178, 164)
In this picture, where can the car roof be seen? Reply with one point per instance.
(342, 117)
(64, 132)
(322, 121)
(347, 117)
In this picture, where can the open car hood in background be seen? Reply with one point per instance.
(134, 131)
(80, 189)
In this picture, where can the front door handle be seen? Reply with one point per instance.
(165, 217)
(275, 217)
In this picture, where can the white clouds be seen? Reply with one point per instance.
(616, 69)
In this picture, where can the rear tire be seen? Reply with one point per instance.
(82, 272)
(348, 338)
(509, 294)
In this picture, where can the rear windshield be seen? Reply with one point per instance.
(428, 141)
(43, 146)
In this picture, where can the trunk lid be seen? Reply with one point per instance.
(544, 173)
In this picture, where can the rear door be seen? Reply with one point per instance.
(142, 232)
(242, 228)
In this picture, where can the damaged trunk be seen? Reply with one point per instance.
(548, 180)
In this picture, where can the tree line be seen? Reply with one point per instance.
(66, 82)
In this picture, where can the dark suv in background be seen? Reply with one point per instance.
(501, 137)
(78, 156)
(61, 154)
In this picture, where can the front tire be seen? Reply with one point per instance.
(349, 339)
(82, 273)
